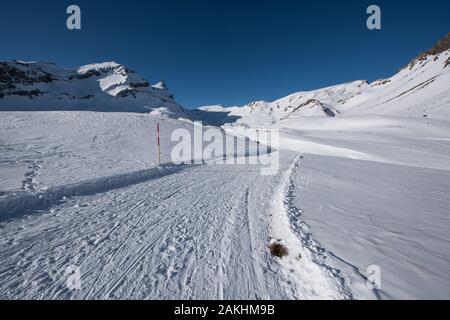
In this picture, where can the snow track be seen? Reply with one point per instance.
(305, 270)
(169, 237)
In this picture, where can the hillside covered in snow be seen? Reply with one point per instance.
(419, 90)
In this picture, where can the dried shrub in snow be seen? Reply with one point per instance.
(278, 250)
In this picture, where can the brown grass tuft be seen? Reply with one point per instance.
(278, 250)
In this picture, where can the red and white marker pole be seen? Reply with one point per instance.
(158, 137)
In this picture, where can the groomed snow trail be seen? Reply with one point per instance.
(202, 232)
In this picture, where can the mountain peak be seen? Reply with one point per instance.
(99, 67)
(161, 85)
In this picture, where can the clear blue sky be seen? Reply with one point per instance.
(227, 51)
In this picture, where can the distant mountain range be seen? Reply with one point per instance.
(420, 89)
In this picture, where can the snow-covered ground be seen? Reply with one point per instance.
(59, 148)
(83, 191)
(385, 203)
(363, 184)
(393, 216)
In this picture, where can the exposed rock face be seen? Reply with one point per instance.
(12, 77)
(441, 46)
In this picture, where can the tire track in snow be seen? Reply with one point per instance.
(228, 235)
(153, 205)
(189, 225)
(240, 268)
(181, 252)
(154, 244)
(112, 285)
(108, 261)
(38, 244)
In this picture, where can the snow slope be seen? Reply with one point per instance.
(139, 231)
(369, 213)
(109, 86)
(95, 200)
(419, 90)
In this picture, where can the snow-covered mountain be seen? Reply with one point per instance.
(105, 86)
(419, 90)
(363, 184)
